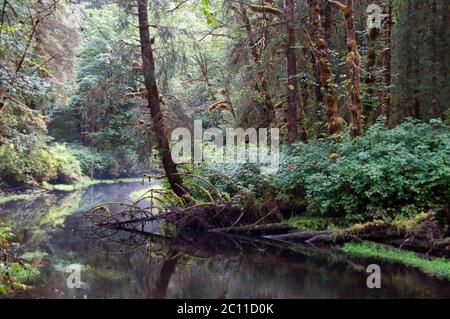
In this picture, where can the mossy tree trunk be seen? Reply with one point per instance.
(148, 67)
(294, 106)
(326, 82)
(354, 68)
(387, 33)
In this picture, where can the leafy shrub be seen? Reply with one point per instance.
(55, 164)
(24, 155)
(19, 167)
(68, 168)
(385, 171)
(103, 164)
(13, 272)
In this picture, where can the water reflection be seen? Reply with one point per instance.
(139, 265)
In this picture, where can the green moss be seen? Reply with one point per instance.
(3, 290)
(103, 273)
(9, 198)
(20, 276)
(439, 267)
(310, 223)
(13, 273)
(33, 255)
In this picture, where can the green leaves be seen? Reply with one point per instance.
(383, 171)
(205, 7)
(387, 172)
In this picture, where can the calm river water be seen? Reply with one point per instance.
(209, 267)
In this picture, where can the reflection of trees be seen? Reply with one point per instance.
(134, 264)
(31, 220)
(167, 269)
(216, 268)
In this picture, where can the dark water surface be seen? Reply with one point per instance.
(208, 267)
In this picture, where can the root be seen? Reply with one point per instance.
(185, 214)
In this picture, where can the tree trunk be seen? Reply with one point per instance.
(354, 69)
(435, 108)
(386, 93)
(263, 86)
(331, 99)
(293, 97)
(327, 22)
(371, 79)
(148, 67)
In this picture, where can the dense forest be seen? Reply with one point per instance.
(356, 93)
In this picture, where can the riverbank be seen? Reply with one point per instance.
(31, 193)
(329, 247)
(439, 267)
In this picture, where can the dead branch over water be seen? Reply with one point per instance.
(160, 211)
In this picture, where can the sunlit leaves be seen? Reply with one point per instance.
(205, 7)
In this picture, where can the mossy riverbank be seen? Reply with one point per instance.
(439, 267)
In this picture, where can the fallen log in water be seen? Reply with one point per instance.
(255, 229)
(423, 237)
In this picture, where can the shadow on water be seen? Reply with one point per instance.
(139, 265)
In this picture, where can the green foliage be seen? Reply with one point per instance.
(374, 176)
(205, 8)
(99, 114)
(14, 273)
(244, 176)
(107, 164)
(312, 223)
(25, 157)
(385, 173)
(19, 167)
(67, 167)
(33, 255)
(420, 63)
(439, 267)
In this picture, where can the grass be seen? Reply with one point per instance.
(8, 198)
(439, 267)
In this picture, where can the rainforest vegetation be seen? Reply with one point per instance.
(90, 90)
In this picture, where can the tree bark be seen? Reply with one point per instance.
(327, 22)
(263, 86)
(354, 66)
(148, 67)
(386, 93)
(331, 99)
(435, 108)
(354, 69)
(293, 97)
(371, 79)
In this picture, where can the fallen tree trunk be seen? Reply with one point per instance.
(303, 236)
(255, 229)
(425, 236)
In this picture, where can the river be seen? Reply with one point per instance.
(135, 266)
